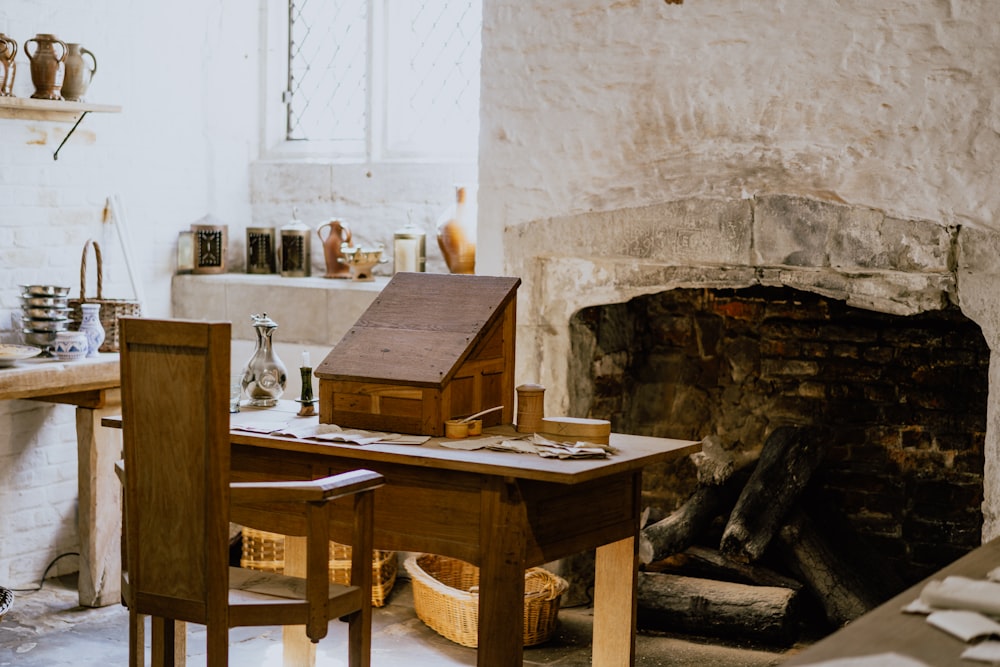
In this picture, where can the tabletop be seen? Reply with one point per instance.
(32, 378)
(632, 451)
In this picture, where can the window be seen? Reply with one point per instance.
(384, 79)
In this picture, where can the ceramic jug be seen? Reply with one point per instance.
(338, 235)
(8, 49)
(47, 65)
(456, 231)
(79, 72)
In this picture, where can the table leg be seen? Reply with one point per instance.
(297, 649)
(100, 516)
(616, 576)
(501, 575)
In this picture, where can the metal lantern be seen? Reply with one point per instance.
(296, 256)
(260, 250)
(210, 243)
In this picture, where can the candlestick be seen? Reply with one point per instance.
(306, 409)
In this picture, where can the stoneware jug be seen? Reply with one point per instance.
(8, 49)
(456, 231)
(79, 72)
(338, 234)
(47, 65)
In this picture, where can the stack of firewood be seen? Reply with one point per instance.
(733, 590)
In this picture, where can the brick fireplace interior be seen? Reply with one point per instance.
(903, 399)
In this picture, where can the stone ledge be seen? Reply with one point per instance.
(309, 311)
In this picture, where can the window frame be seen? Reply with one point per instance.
(273, 110)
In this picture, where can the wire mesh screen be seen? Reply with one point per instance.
(425, 71)
(327, 69)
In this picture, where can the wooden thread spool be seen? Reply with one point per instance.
(530, 407)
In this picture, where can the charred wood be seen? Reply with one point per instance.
(841, 592)
(789, 457)
(697, 561)
(719, 482)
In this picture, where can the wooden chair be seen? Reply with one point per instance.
(178, 499)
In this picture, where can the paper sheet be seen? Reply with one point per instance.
(988, 651)
(966, 625)
(963, 593)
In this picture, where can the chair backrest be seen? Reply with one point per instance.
(175, 421)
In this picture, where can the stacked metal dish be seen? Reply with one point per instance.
(45, 313)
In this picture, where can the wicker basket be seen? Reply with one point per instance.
(266, 551)
(446, 598)
(111, 309)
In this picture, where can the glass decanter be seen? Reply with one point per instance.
(264, 376)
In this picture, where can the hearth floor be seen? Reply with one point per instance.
(47, 628)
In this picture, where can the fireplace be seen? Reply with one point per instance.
(903, 400)
(811, 259)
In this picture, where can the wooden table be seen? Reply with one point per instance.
(886, 629)
(502, 511)
(92, 385)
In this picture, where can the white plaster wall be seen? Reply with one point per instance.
(591, 105)
(185, 74)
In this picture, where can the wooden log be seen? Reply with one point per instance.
(716, 492)
(839, 589)
(696, 561)
(787, 461)
(717, 608)
(679, 530)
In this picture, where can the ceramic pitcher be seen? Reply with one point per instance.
(8, 49)
(79, 72)
(338, 233)
(47, 65)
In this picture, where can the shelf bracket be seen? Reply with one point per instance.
(55, 156)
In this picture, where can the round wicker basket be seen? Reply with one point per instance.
(446, 598)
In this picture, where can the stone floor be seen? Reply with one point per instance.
(47, 628)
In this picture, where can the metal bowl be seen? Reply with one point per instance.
(44, 301)
(44, 290)
(46, 325)
(47, 313)
(43, 339)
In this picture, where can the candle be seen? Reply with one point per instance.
(405, 258)
(305, 359)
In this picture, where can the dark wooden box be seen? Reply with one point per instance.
(431, 347)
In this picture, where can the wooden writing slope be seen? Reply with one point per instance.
(431, 347)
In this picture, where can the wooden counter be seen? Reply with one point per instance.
(92, 385)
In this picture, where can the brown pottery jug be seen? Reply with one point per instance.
(79, 73)
(46, 65)
(8, 49)
(338, 235)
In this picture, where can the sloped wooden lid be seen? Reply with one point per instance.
(420, 329)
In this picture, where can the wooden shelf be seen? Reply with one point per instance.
(58, 110)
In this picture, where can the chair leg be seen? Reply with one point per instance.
(169, 642)
(217, 638)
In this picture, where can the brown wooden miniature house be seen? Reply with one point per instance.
(431, 347)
